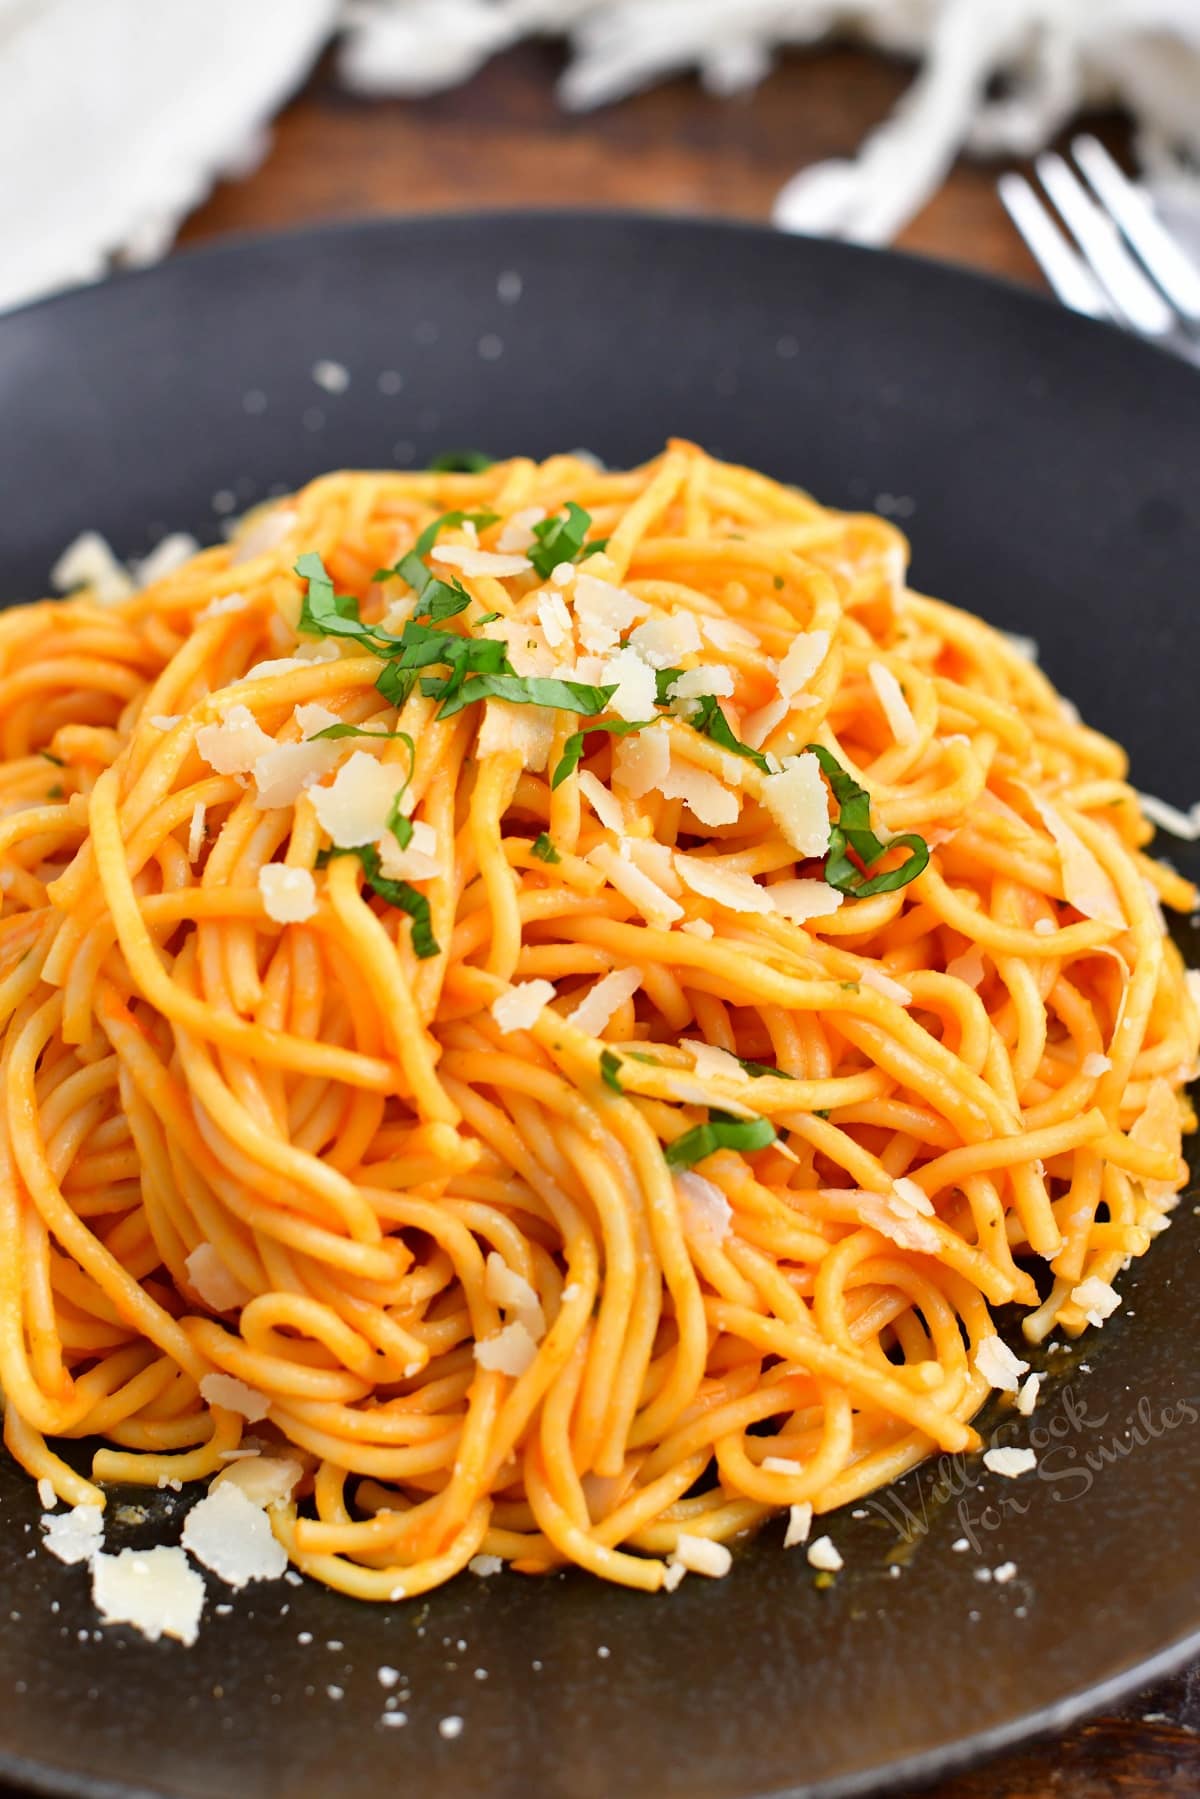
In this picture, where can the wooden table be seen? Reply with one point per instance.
(503, 141)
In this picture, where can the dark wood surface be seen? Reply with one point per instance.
(503, 141)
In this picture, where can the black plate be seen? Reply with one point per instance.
(1046, 470)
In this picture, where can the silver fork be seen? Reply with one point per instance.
(1119, 261)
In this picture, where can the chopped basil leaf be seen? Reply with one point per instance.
(610, 1064)
(544, 850)
(55, 792)
(485, 618)
(324, 613)
(525, 690)
(397, 893)
(778, 583)
(568, 762)
(756, 1070)
(635, 1055)
(710, 721)
(48, 756)
(344, 730)
(398, 822)
(461, 462)
(721, 1132)
(853, 832)
(664, 679)
(560, 539)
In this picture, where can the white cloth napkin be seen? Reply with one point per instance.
(120, 114)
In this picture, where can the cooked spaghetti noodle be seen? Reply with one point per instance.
(580, 1119)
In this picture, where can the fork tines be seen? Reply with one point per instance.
(1119, 261)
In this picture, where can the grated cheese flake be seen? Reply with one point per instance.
(896, 708)
(1027, 1398)
(234, 745)
(823, 1555)
(517, 532)
(698, 927)
(506, 1288)
(472, 561)
(233, 1395)
(1094, 1065)
(171, 553)
(265, 531)
(1085, 883)
(1096, 1298)
(602, 613)
(892, 1217)
(74, 1536)
(596, 1009)
(485, 1566)
(780, 1464)
(232, 1537)
(89, 562)
(799, 1524)
(510, 1350)
(604, 804)
(418, 862)
(708, 1060)
(805, 898)
(884, 985)
(726, 887)
(355, 807)
(664, 641)
(1010, 1462)
(289, 894)
(527, 730)
(655, 905)
(196, 831)
(554, 619)
(804, 657)
(700, 1555)
(263, 1479)
(704, 1207)
(797, 800)
(696, 682)
(998, 1365)
(521, 1006)
(635, 684)
(214, 1283)
(154, 1590)
(707, 798)
(641, 762)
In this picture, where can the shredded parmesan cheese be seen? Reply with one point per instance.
(896, 708)
(1009, 1462)
(700, 1555)
(521, 1006)
(480, 562)
(998, 1365)
(727, 887)
(233, 1395)
(214, 1283)
(1086, 885)
(705, 1208)
(1096, 1299)
(823, 1555)
(799, 1524)
(510, 1351)
(606, 998)
(289, 894)
(797, 800)
(355, 807)
(232, 1536)
(155, 1590)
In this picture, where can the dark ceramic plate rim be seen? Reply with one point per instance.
(966, 1749)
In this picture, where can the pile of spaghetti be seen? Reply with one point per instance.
(553, 1006)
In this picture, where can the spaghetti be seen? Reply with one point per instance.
(557, 1004)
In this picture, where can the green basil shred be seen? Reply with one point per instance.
(396, 893)
(610, 1065)
(722, 1131)
(853, 832)
(544, 850)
